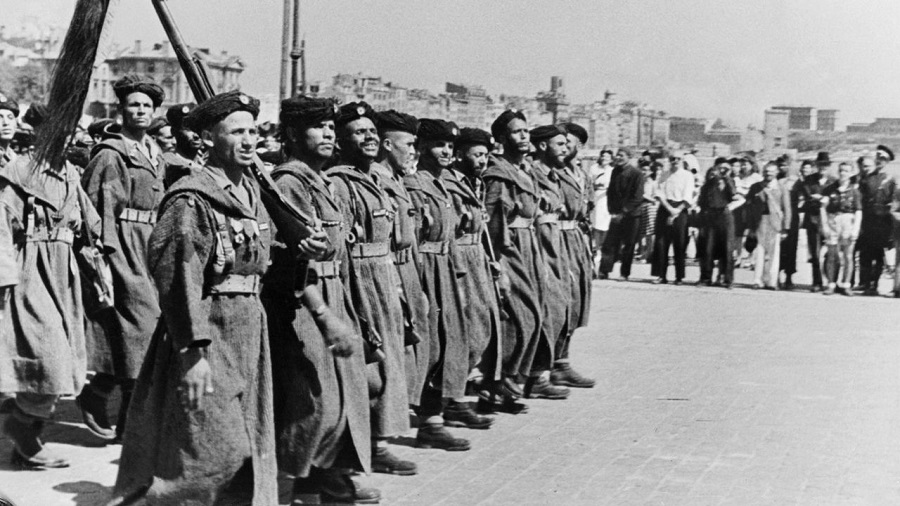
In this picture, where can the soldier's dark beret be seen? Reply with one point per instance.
(35, 115)
(394, 121)
(353, 111)
(218, 108)
(176, 114)
(498, 127)
(7, 102)
(578, 131)
(474, 137)
(139, 84)
(437, 130)
(721, 160)
(546, 132)
(157, 124)
(303, 111)
(883, 151)
(101, 127)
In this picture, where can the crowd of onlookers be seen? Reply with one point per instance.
(742, 212)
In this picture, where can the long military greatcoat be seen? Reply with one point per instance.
(404, 246)
(576, 195)
(374, 285)
(481, 313)
(185, 456)
(42, 345)
(318, 397)
(512, 198)
(436, 224)
(557, 289)
(126, 189)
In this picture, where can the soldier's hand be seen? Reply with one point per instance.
(315, 246)
(504, 284)
(339, 336)
(196, 378)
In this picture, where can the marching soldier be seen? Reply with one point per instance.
(372, 280)
(443, 396)
(9, 114)
(574, 217)
(396, 159)
(321, 394)
(550, 155)
(45, 220)
(201, 420)
(188, 146)
(512, 201)
(124, 183)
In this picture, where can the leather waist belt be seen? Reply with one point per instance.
(369, 249)
(402, 256)
(521, 222)
(434, 247)
(568, 225)
(65, 235)
(468, 240)
(547, 218)
(235, 284)
(138, 216)
(327, 269)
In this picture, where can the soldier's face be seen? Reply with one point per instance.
(7, 125)
(518, 136)
(189, 139)
(165, 139)
(441, 152)
(318, 140)
(572, 144)
(232, 141)
(474, 159)
(360, 140)
(557, 150)
(137, 111)
(400, 151)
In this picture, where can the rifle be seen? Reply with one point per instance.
(495, 273)
(293, 224)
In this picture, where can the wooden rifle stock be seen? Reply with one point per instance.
(293, 224)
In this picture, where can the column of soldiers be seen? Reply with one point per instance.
(439, 268)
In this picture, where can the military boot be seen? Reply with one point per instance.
(28, 452)
(94, 415)
(432, 435)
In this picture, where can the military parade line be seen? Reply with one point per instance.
(442, 263)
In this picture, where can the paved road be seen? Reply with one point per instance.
(704, 396)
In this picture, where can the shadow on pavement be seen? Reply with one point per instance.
(87, 493)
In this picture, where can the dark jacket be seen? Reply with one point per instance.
(626, 190)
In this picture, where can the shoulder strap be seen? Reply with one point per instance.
(224, 247)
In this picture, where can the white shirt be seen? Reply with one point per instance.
(600, 179)
(677, 186)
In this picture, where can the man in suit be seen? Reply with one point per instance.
(770, 199)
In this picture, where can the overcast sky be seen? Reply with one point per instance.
(706, 58)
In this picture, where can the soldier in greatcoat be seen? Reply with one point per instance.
(576, 193)
(45, 219)
(201, 428)
(124, 182)
(321, 394)
(443, 397)
(512, 201)
(9, 113)
(188, 152)
(372, 281)
(551, 148)
(396, 158)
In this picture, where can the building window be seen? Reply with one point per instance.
(151, 67)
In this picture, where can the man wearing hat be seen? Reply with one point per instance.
(9, 114)
(319, 371)
(161, 132)
(443, 398)
(201, 417)
(811, 190)
(715, 200)
(372, 280)
(396, 158)
(123, 181)
(551, 150)
(188, 151)
(623, 199)
(512, 201)
(876, 188)
(577, 191)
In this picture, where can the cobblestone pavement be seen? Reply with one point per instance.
(705, 396)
